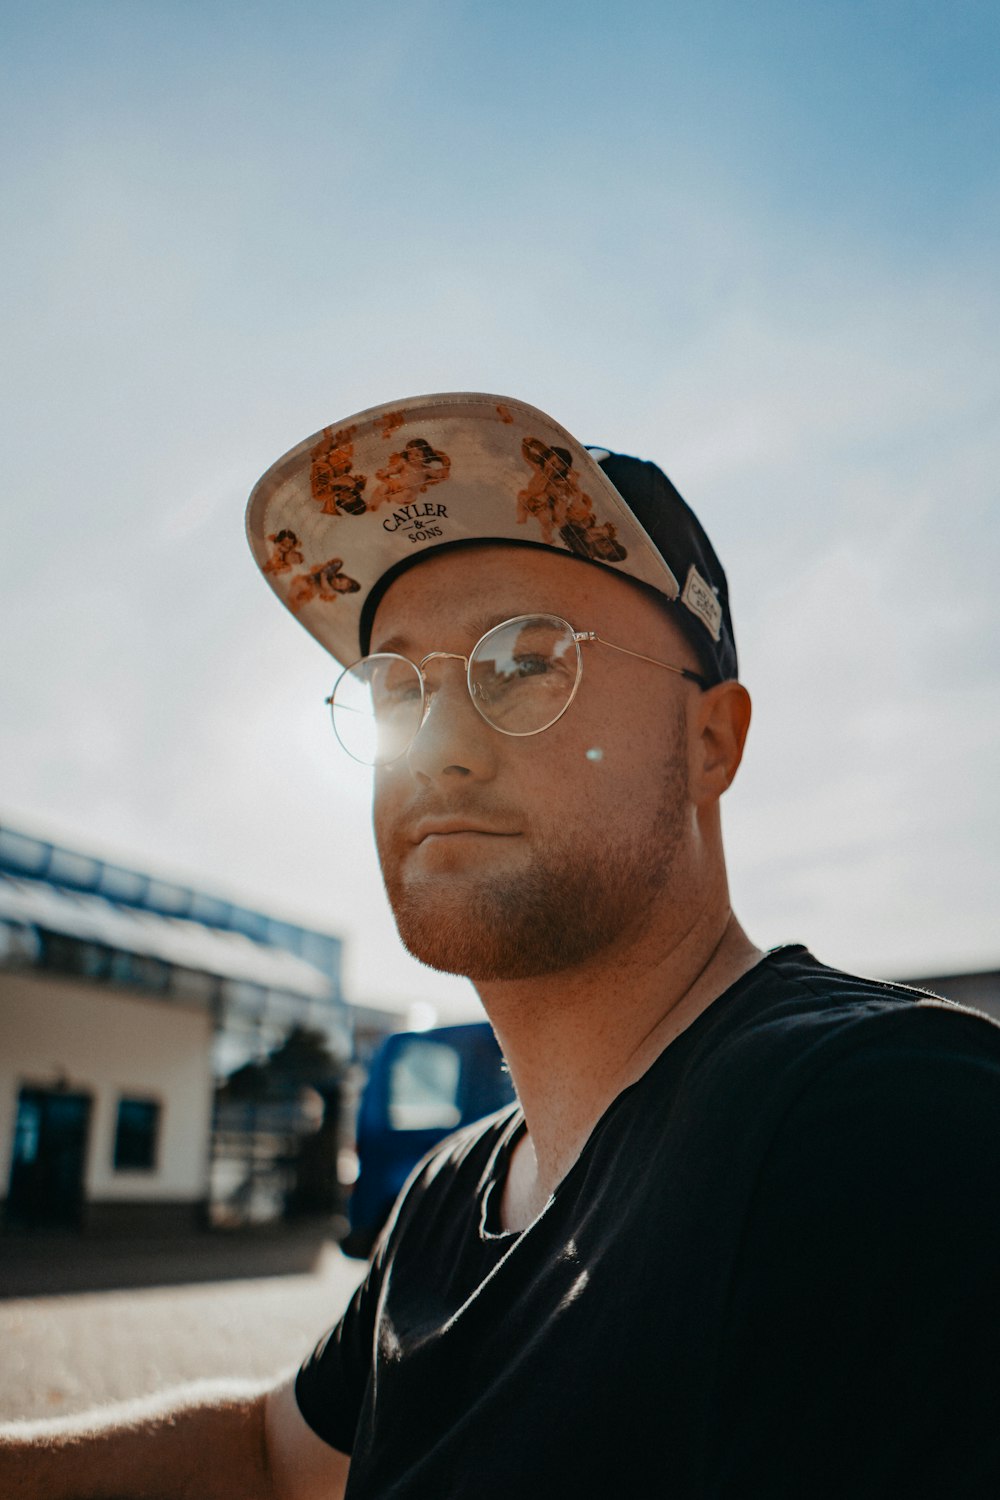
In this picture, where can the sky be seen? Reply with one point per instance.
(757, 244)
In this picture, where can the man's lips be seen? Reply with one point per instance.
(435, 828)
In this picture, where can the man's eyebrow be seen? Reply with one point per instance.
(397, 643)
(477, 628)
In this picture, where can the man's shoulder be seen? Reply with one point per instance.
(794, 1025)
(791, 1001)
(792, 973)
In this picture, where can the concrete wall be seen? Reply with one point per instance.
(109, 1043)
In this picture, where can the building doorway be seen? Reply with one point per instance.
(50, 1150)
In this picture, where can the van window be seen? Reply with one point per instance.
(423, 1086)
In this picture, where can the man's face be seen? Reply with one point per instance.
(507, 858)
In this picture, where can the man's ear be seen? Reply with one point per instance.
(719, 724)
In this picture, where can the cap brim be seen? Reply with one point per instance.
(355, 501)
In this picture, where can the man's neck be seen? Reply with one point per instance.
(574, 1042)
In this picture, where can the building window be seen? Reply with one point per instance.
(19, 945)
(79, 871)
(136, 1135)
(122, 885)
(141, 971)
(25, 855)
(71, 955)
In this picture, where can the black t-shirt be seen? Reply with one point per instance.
(774, 1271)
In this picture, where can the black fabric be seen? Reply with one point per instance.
(773, 1271)
(682, 541)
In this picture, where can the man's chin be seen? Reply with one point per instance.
(489, 937)
(449, 934)
(448, 924)
(528, 915)
(433, 957)
(480, 962)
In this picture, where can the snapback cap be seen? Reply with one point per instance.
(335, 520)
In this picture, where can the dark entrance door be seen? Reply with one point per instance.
(50, 1147)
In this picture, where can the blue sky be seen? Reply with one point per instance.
(755, 243)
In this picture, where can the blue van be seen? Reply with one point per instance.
(422, 1085)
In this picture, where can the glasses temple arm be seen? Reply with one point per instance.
(591, 635)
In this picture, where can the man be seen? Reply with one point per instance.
(740, 1235)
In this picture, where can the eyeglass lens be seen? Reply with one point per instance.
(522, 676)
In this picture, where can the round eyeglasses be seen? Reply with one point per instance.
(522, 676)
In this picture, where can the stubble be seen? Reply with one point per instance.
(584, 889)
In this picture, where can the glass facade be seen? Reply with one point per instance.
(69, 870)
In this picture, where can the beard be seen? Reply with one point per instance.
(575, 897)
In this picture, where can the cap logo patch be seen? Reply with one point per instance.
(409, 473)
(324, 582)
(334, 486)
(702, 601)
(554, 499)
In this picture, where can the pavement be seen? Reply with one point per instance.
(86, 1322)
(37, 1263)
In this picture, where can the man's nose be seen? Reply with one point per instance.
(453, 739)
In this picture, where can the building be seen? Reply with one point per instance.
(124, 1000)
